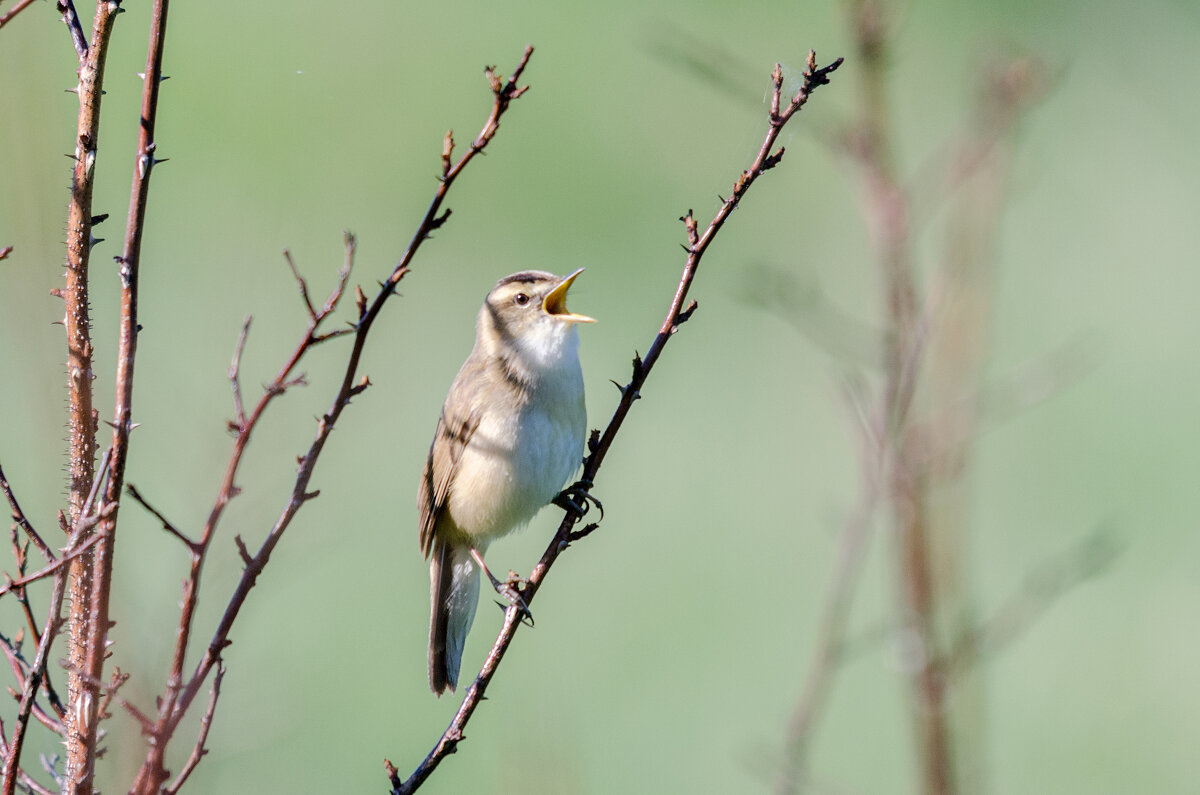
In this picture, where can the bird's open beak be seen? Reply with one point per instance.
(556, 302)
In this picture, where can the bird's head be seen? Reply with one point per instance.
(527, 313)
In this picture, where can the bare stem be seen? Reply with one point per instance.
(21, 520)
(12, 762)
(12, 12)
(67, 9)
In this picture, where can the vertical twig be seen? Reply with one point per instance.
(88, 668)
(81, 424)
(888, 217)
(831, 638)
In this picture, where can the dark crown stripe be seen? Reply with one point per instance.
(528, 276)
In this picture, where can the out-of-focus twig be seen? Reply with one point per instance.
(1040, 589)
(931, 346)
(831, 635)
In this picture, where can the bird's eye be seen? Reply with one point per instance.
(521, 299)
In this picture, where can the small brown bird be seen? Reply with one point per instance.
(511, 433)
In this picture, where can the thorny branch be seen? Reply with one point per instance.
(599, 445)
(82, 419)
(90, 668)
(180, 691)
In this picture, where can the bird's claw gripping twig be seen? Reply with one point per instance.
(509, 590)
(577, 499)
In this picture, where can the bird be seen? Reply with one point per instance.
(509, 436)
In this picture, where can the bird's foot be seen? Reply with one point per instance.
(576, 499)
(509, 590)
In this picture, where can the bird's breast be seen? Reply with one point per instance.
(517, 461)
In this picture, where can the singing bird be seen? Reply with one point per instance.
(510, 434)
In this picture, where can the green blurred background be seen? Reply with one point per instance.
(670, 647)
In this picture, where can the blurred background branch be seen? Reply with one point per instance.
(933, 343)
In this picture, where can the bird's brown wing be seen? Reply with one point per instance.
(440, 468)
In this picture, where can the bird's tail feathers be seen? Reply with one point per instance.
(454, 595)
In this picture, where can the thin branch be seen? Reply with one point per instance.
(198, 751)
(115, 682)
(5, 19)
(21, 520)
(676, 314)
(1088, 557)
(180, 693)
(235, 380)
(111, 693)
(6, 250)
(166, 523)
(831, 639)
(303, 285)
(12, 762)
(50, 568)
(1011, 87)
(67, 9)
(28, 782)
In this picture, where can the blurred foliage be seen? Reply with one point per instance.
(670, 645)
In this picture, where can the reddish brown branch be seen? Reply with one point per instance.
(81, 424)
(303, 285)
(89, 638)
(37, 669)
(166, 523)
(198, 750)
(21, 520)
(181, 692)
(111, 691)
(5, 19)
(48, 569)
(235, 381)
(676, 314)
